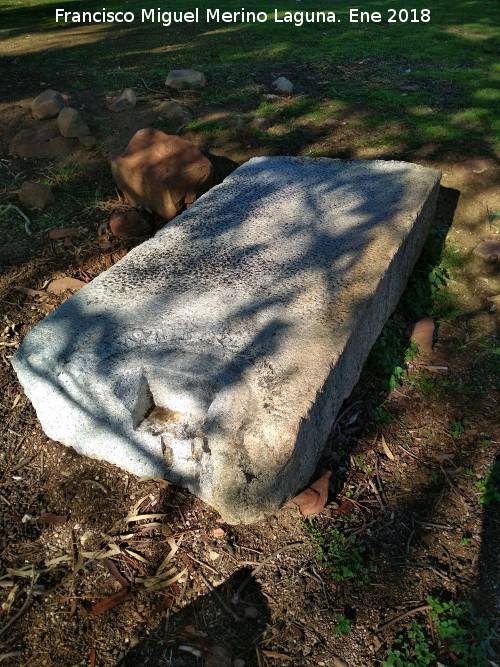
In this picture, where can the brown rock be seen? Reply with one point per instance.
(129, 225)
(162, 172)
(35, 195)
(88, 141)
(127, 100)
(62, 233)
(47, 105)
(71, 124)
(174, 114)
(423, 334)
(476, 166)
(60, 285)
(41, 142)
(489, 250)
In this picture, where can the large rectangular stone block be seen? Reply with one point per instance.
(218, 353)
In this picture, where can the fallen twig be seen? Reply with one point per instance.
(377, 494)
(12, 654)
(27, 221)
(148, 88)
(416, 610)
(426, 524)
(453, 487)
(209, 567)
(25, 606)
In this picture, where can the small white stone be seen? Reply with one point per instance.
(283, 85)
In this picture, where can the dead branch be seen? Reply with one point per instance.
(416, 610)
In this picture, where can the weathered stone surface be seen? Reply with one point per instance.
(489, 250)
(47, 105)
(41, 142)
(217, 353)
(127, 100)
(161, 172)
(185, 78)
(174, 114)
(129, 225)
(36, 195)
(71, 124)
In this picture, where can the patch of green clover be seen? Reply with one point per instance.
(344, 625)
(339, 554)
(461, 633)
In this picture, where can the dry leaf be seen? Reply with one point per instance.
(124, 583)
(137, 556)
(108, 603)
(59, 559)
(60, 285)
(56, 519)
(386, 449)
(22, 572)
(314, 498)
(142, 517)
(113, 550)
(92, 657)
(174, 546)
(346, 507)
(28, 291)
(276, 656)
(168, 582)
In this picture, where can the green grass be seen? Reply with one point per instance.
(489, 487)
(412, 83)
(426, 295)
(410, 649)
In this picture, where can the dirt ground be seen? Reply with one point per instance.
(189, 589)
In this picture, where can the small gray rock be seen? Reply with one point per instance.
(174, 114)
(283, 85)
(185, 78)
(127, 100)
